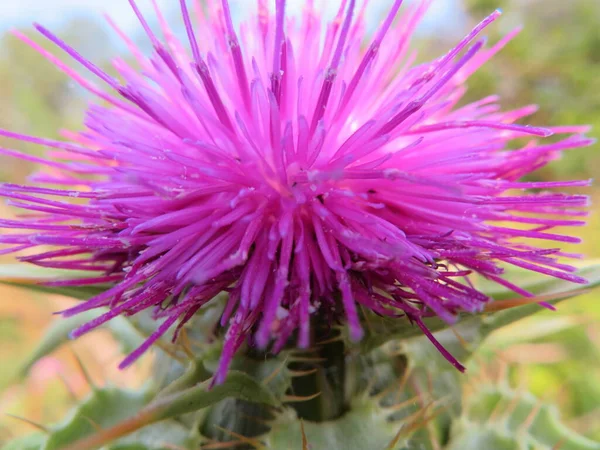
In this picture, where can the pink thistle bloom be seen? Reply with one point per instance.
(304, 173)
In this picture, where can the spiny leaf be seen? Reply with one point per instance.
(58, 334)
(435, 375)
(364, 427)
(166, 435)
(103, 408)
(237, 385)
(34, 424)
(495, 416)
(547, 289)
(241, 417)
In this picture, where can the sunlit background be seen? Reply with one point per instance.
(554, 62)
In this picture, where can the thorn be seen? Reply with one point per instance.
(529, 419)
(84, 371)
(431, 431)
(404, 432)
(97, 427)
(306, 359)
(302, 373)
(462, 341)
(170, 350)
(417, 414)
(302, 351)
(412, 427)
(304, 440)
(497, 411)
(398, 406)
(266, 422)
(243, 439)
(184, 341)
(30, 422)
(275, 372)
(337, 338)
(433, 404)
(511, 407)
(419, 392)
(394, 441)
(404, 380)
(397, 389)
(298, 398)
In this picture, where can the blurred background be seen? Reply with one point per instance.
(554, 62)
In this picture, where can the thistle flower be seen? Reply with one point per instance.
(304, 173)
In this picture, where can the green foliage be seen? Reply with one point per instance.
(58, 334)
(102, 408)
(399, 393)
(381, 330)
(150, 421)
(497, 417)
(238, 385)
(365, 427)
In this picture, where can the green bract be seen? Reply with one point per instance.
(391, 391)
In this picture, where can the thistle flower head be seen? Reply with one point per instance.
(306, 170)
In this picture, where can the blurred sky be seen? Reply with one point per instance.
(443, 13)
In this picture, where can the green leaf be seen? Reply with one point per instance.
(497, 417)
(102, 409)
(433, 373)
(364, 427)
(381, 330)
(135, 417)
(473, 329)
(237, 385)
(242, 417)
(58, 334)
(165, 435)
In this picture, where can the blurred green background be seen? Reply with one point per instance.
(554, 62)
